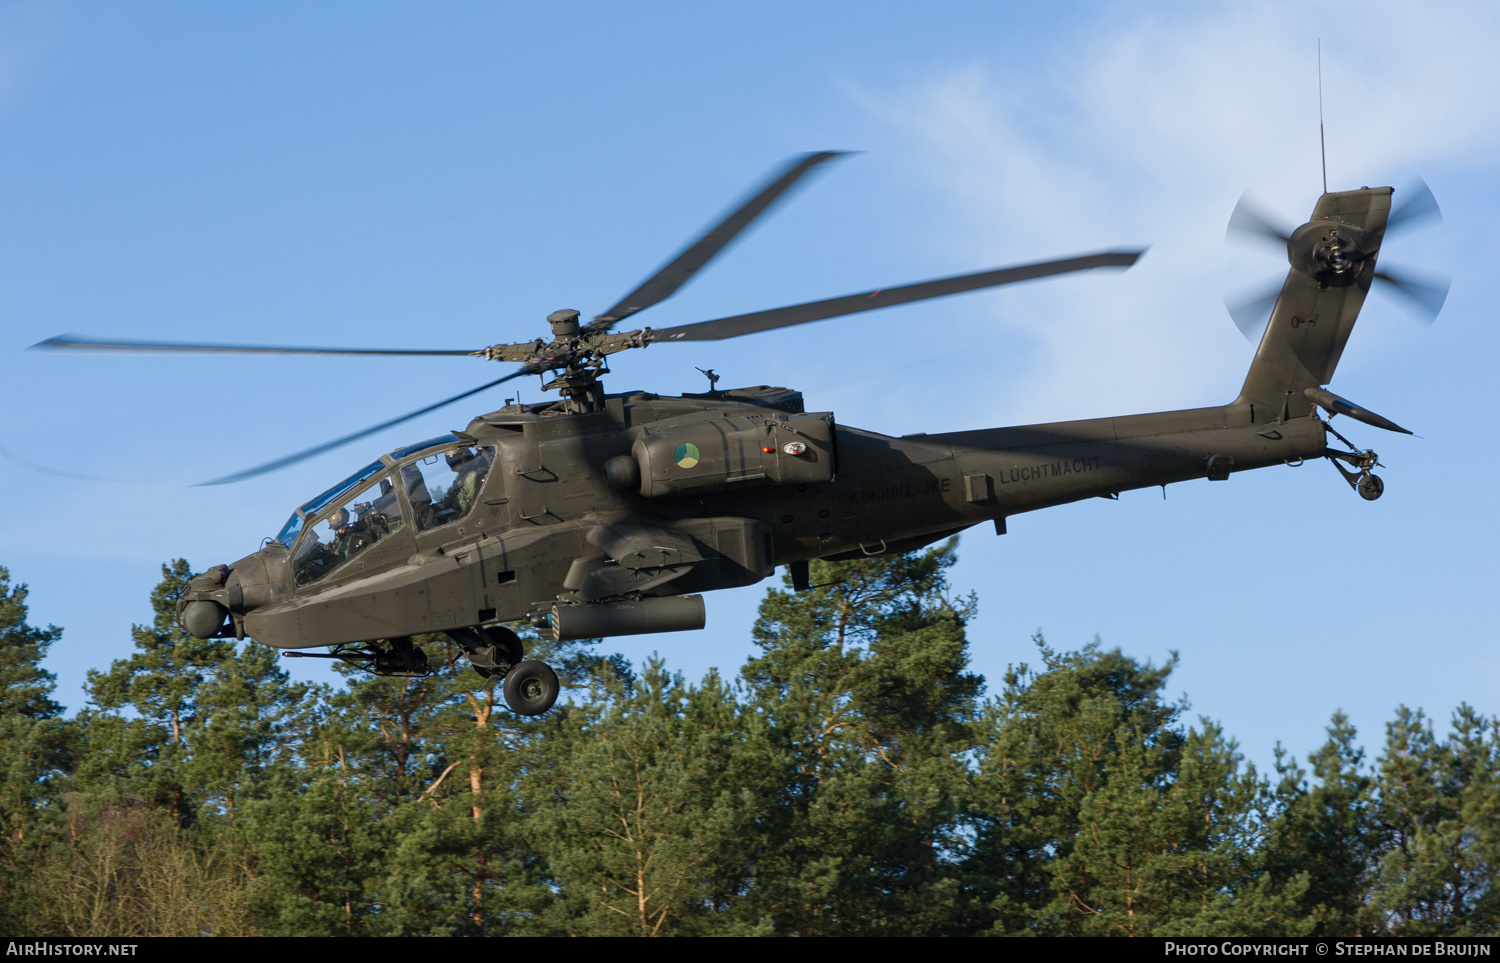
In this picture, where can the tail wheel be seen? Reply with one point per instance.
(531, 688)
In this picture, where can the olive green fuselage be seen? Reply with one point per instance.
(623, 500)
(548, 490)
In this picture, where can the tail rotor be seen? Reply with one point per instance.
(1423, 293)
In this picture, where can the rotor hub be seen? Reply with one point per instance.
(1335, 255)
(1331, 253)
(564, 323)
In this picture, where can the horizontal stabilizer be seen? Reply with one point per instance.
(1335, 405)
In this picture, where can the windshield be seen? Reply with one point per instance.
(401, 453)
(323, 500)
(290, 529)
(444, 486)
(358, 522)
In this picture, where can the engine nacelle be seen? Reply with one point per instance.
(715, 452)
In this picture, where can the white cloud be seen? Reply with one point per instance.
(1148, 133)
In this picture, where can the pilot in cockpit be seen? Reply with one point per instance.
(469, 466)
(341, 546)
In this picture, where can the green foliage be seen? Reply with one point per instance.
(146, 707)
(853, 780)
(38, 753)
(863, 690)
(25, 687)
(192, 726)
(1330, 832)
(1098, 813)
(646, 809)
(1439, 810)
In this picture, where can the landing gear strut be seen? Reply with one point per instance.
(1362, 479)
(492, 650)
(496, 652)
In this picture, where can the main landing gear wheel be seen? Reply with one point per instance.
(1371, 487)
(531, 688)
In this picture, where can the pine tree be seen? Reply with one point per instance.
(1097, 813)
(34, 735)
(867, 704)
(146, 708)
(316, 842)
(457, 863)
(644, 813)
(1050, 743)
(1440, 810)
(1330, 831)
(194, 731)
(36, 758)
(255, 720)
(465, 861)
(190, 725)
(25, 687)
(406, 814)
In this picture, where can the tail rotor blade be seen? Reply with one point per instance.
(1425, 294)
(1248, 220)
(1252, 312)
(1418, 207)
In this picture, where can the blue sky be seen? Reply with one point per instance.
(387, 175)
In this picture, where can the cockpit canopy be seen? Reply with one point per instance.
(431, 484)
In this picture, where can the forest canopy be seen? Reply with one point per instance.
(854, 778)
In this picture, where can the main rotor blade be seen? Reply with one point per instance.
(739, 324)
(1250, 313)
(1248, 219)
(279, 463)
(675, 273)
(68, 342)
(1420, 206)
(1427, 294)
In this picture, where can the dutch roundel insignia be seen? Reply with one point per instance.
(686, 455)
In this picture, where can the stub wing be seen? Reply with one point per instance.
(645, 556)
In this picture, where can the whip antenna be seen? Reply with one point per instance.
(1322, 144)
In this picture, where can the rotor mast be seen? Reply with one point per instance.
(577, 353)
(579, 382)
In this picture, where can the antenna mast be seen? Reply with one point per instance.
(1322, 144)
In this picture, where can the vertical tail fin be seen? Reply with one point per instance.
(1333, 264)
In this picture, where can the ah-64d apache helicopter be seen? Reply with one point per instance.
(606, 514)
